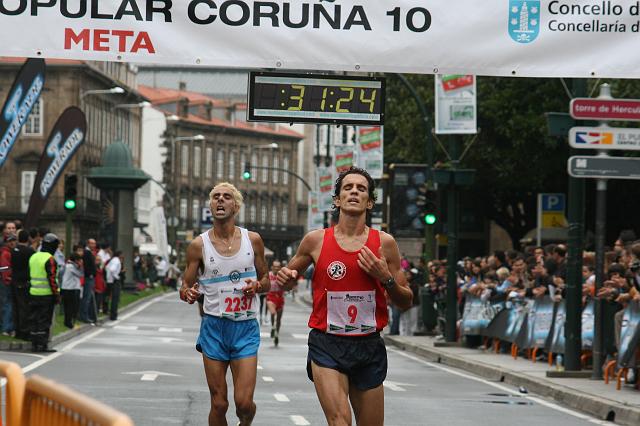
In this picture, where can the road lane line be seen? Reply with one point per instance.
(149, 377)
(300, 336)
(170, 330)
(259, 367)
(126, 327)
(299, 421)
(281, 397)
(504, 388)
(139, 309)
(265, 334)
(267, 379)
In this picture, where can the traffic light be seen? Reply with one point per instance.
(430, 211)
(70, 191)
(409, 200)
(246, 175)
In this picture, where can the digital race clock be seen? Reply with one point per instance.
(307, 98)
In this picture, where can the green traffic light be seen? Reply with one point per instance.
(246, 175)
(430, 219)
(70, 204)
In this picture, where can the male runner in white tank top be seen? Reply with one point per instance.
(227, 265)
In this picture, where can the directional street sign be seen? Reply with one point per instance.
(604, 138)
(605, 109)
(604, 167)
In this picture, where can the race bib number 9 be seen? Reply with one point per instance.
(351, 312)
(235, 305)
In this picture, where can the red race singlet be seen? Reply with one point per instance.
(346, 300)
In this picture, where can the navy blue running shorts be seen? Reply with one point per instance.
(363, 359)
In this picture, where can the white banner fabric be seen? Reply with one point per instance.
(370, 154)
(543, 38)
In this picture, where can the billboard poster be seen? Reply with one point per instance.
(455, 97)
(324, 183)
(371, 150)
(315, 216)
(344, 156)
(64, 140)
(21, 99)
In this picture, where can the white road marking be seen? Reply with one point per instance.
(299, 421)
(267, 379)
(395, 386)
(150, 376)
(170, 330)
(259, 367)
(504, 388)
(281, 397)
(125, 327)
(265, 334)
(300, 336)
(139, 309)
(170, 339)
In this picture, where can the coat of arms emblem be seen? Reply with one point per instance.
(524, 20)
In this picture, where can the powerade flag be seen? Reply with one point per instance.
(23, 95)
(64, 140)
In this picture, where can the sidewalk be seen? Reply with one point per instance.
(586, 395)
(67, 335)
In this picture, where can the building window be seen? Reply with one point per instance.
(274, 212)
(263, 212)
(275, 173)
(265, 170)
(243, 161)
(285, 165)
(285, 213)
(254, 162)
(232, 165)
(183, 208)
(252, 213)
(195, 213)
(28, 178)
(241, 213)
(184, 160)
(33, 125)
(220, 165)
(197, 160)
(209, 163)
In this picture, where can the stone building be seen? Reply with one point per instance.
(107, 94)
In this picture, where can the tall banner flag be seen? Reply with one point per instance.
(343, 157)
(21, 99)
(324, 177)
(315, 215)
(371, 150)
(64, 140)
(160, 235)
(455, 104)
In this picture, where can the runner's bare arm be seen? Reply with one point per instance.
(262, 284)
(385, 265)
(189, 290)
(307, 253)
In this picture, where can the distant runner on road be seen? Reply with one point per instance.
(227, 265)
(275, 301)
(354, 267)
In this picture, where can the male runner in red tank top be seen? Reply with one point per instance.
(354, 267)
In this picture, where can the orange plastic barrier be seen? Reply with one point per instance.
(14, 392)
(49, 403)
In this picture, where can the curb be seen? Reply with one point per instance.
(24, 346)
(594, 405)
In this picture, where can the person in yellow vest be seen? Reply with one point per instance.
(43, 292)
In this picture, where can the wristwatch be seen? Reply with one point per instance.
(389, 284)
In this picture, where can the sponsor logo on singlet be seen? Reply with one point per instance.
(234, 276)
(336, 270)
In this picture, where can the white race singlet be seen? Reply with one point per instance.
(224, 277)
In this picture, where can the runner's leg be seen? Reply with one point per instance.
(244, 384)
(368, 406)
(271, 308)
(332, 388)
(278, 319)
(216, 372)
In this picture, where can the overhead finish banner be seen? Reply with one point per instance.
(541, 38)
(64, 140)
(21, 99)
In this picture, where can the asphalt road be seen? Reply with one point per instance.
(145, 365)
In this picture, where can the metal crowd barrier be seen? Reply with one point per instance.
(37, 401)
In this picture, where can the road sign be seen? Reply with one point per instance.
(604, 167)
(551, 209)
(207, 217)
(605, 109)
(604, 138)
(553, 202)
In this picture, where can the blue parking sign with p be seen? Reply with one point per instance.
(553, 202)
